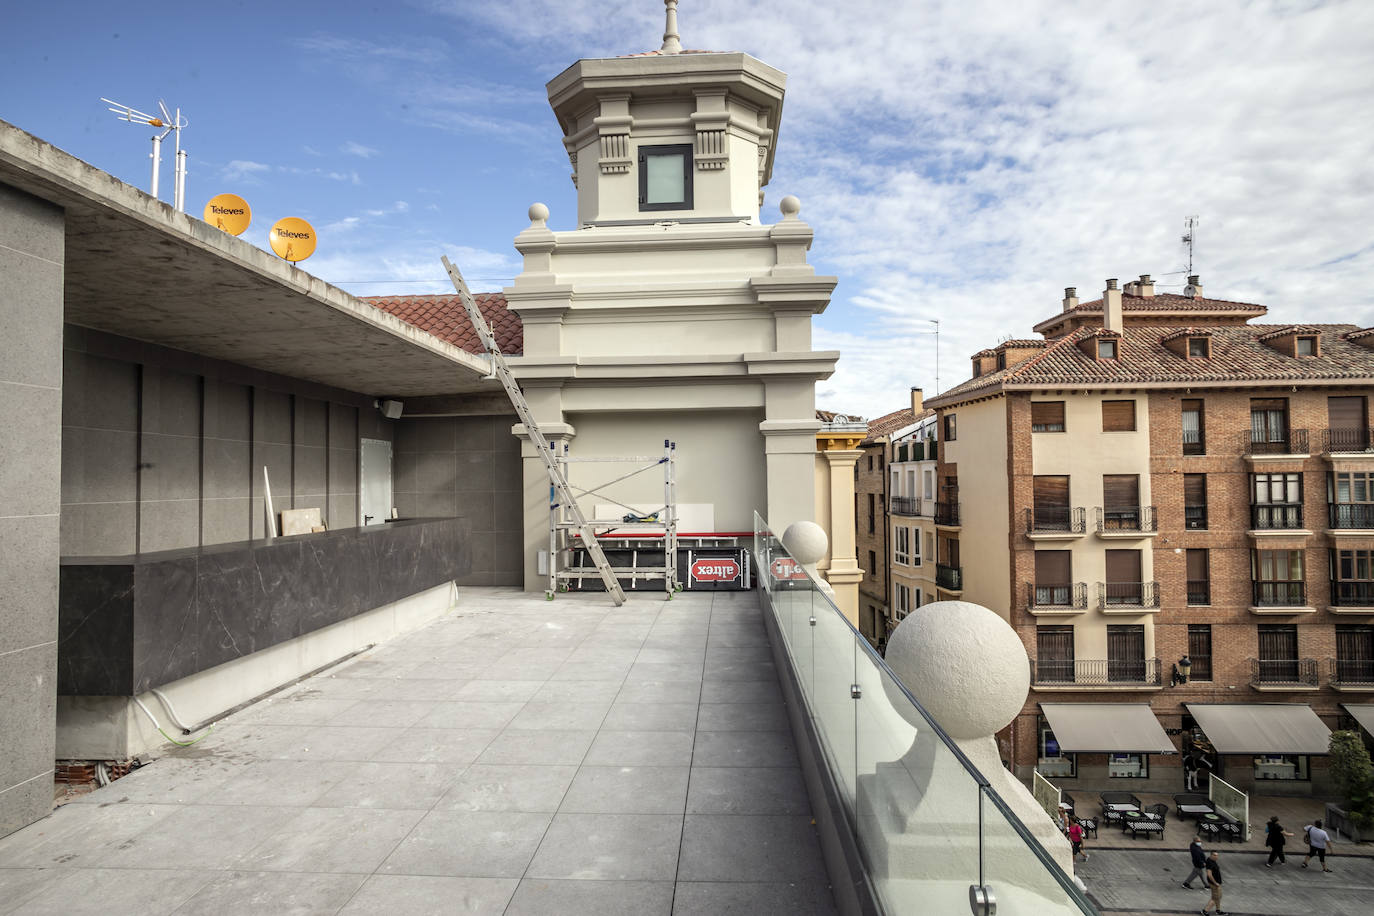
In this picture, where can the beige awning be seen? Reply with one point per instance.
(1262, 728)
(1107, 728)
(1363, 713)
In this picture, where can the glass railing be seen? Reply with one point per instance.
(931, 831)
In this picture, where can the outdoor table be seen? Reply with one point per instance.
(1124, 809)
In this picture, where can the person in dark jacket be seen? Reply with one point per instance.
(1274, 838)
(1199, 863)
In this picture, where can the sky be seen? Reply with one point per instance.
(961, 161)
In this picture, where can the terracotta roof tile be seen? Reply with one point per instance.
(1161, 302)
(889, 423)
(1018, 344)
(445, 318)
(1360, 334)
(1186, 332)
(1288, 329)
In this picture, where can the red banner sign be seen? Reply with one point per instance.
(787, 568)
(715, 569)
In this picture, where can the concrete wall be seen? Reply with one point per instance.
(31, 288)
(163, 449)
(468, 467)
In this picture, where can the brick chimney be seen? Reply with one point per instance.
(1194, 288)
(1070, 297)
(1111, 307)
(1147, 287)
(917, 402)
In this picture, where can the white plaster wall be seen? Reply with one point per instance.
(980, 450)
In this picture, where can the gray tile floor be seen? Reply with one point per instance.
(519, 757)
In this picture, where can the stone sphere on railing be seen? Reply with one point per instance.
(965, 665)
(806, 542)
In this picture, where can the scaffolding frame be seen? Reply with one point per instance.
(565, 532)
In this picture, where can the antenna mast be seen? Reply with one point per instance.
(1189, 236)
(172, 124)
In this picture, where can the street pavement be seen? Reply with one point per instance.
(1140, 881)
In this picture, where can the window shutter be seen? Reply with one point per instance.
(1123, 566)
(1051, 492)
(1047, 416)
(1125, 642)
(1120, 491)
(1054, 643)
(1278, 642)
(1197, 564)
(1194, 489)
(1053, 567)
(1118, 416)
(1345, 412)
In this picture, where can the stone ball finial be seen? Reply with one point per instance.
(806, 541)
(538, 214)
(965, 665)
(790, 206)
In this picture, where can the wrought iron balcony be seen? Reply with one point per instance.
(1352, 594)
(1056, 520)
(1294, 672)
(906, 505)
(1292, 442)
(1126, 519)
(1280, 594)
(1110, 672)
(1195, 518)
(1275, 516)
(1127, 594)
(947, 514)
(1057, 596)
(1359, 439)
(1350, 515)
(1350, 672)
(1200, 591)
(949, 577)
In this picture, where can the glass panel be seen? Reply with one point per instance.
(1016, 867)
(665, 182)
(832, 704)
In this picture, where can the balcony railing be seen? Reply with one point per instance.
(947, 514)
(1350, 672)
(1352, 594)
(949, 577)
(1275, 516)
(1126, 518)
(1111, 672)
(906, 505)
(1057, 596)
(1127, 594)
(1292, 442)
(1280, 594)
(1350, 515)
(1359, 439)
(1296, 672)
(1200, 591)
(1195, 518)
(1056, 520)
(867, 727)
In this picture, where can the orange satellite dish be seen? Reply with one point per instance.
(292, 238)
(228, 212)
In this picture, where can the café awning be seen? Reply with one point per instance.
(1363, 713)
(1262, 728)
(1110, 728)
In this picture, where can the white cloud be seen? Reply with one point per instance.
(244, 170)
(354, 148)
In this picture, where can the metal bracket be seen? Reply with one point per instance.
(813, 621)
(855, 692)
(981, 900)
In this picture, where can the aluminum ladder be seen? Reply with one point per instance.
(541, 445)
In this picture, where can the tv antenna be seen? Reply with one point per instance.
(171, 124)
(1189, 237)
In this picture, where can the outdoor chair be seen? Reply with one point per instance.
(1089, 826)
(1159, 812)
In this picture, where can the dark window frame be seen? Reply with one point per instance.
(951, 428)
(1312, 339)
(1206, 347)
(1195, 405)
(688, 167)
(1202, 661)
(1107, 349)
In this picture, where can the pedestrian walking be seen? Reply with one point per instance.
(1199, 863)
(1076, 838)
(1318, 842)
(1190, 773)
(1275, 838)
(1214, 882)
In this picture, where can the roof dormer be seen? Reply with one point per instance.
(1189, 343)
(1101, 344)
(984, 361)
(1295, 340)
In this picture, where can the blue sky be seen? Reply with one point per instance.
(961, 161)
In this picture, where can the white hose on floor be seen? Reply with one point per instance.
(152, 718)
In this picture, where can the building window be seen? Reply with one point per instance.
(1278, 578)
(950, 428)
(1195, 502)
(915, 598)
(901, 546)
(1276, 501)
(1278, 653)
(665, 177)
(1047, 416)
(880, 461)
(1350, 495)
(873, 562)
(1199, 577)
(1121, 502)
(1050, 495)
(1347, 424)
(1281, 766)
(930, 543)
(1126, 653)
(1118, 416)
(902, 600)
(1052, 759)
(1128, 766)
(870, 462)
(1053, 578)
(1194, 433)
(1306, 346)
(1199, 348)
(1054, 655)
(872, 515)
(1106, 349)
(1354, 654)
(1352, 578)
(1200, 651)
(928, 483)
(1123, 585)
(1269, 425)
(915, 546)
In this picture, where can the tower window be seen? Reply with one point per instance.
(665, 177)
